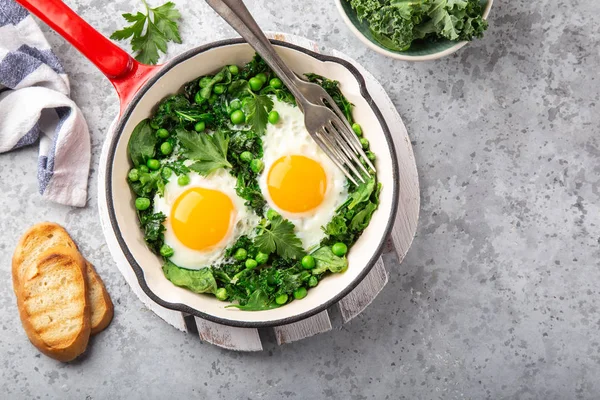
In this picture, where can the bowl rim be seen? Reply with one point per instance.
(398, 56)
(186, 309)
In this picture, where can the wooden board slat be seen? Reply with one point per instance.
(229, 337)
(366, 291)
(302, 329)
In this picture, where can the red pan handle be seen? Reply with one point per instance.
(125, 73)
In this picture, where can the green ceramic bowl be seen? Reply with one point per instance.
(423, 51)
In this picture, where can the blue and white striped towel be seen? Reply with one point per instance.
(35, 104)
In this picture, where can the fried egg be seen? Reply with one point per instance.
(204, 217)
(299, 181)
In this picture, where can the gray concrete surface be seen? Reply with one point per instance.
(499, 295)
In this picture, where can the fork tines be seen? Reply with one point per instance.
(337, 139)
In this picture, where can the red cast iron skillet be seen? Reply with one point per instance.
(132, 79)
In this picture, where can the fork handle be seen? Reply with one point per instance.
(237, 15)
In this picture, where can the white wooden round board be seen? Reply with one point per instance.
(248, 339)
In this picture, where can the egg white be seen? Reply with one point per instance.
(243, 224)
(290, 137)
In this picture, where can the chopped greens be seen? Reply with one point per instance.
(266, 269)
(397, 24)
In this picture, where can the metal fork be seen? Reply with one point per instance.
(323, 119)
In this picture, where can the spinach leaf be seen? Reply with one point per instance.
(258, 301)
(361, 219)
(223, 76)
(200, 281)
(142, 143)
(327, 261)
(362, 193)
(147, 184)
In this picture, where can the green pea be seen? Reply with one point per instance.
(166, 148)
(240, 254)
(273, 117)
(204, 82)
(219, 89)
(371, 155)
(144, 169)
(262, 258)
(142, 203)
(250, 263)
(166, 172)
(281, 299)
(313, 281)
(235, 105)
(199, 99)
(339, 249)
(183, 180)
(134, 175)
(246, 156)
(237, 117)
(308, 262)
(257, 165)
(166, 251)
(200, 126)
(272, 214)
(300, 293)
(153, 164)
(145, 178)
(162, 133)
(276, 83)
(234, 69)
(357, 129)
(364, 143)
(221, 294)
(255, 84)
(212, 99)
(262, 77)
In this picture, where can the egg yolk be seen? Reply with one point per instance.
(201, 217)
(297, 183)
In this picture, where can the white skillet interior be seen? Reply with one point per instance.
(125, 218)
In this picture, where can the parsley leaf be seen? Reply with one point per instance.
(279, 236)
(151, 31)
(210, 152)
(257, 109)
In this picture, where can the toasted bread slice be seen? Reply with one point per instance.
(102, 310)
(53, 303)
(44, 236)
(38, 239)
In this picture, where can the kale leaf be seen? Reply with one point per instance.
(152, 225)
(259, 300)
(396, 24)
